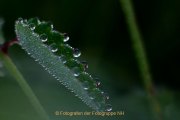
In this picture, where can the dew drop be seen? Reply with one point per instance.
(92, 97)
(108, 107)
(36, 35)
(36, 59)
(20, 20)
(76, 71)
(76, 52)
(32, 26)
(52, 26)
(63, 59)
(66, 37)
(98, 83)
(86, 85)
(53, 48)
(33, 33)
(43, 37)
(25, 21)
(106, 96)
(85, 65)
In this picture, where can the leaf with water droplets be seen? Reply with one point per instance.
(48, 47)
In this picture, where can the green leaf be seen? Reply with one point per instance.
(50, 49)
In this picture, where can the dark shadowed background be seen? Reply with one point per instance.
(99, 30)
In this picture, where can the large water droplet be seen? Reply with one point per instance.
(66, 37)
(53, 47)
(76, 52)
(108, 107)
(76, 71)
(32, 26)
(43, 37)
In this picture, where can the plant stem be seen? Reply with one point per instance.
(140, 55)
(24, 85)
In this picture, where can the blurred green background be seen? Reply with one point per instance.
(98, 29)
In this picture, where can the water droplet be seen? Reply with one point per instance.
(52, 26)
(63, 59)
(98, 83)
(43, 37)
(36, 59)
(92, 98)
(32, 26)
(108, 107)
(36, 35)
(106, 96)
(25, 21)
(76, 71)
(76, 52)
(53, 47)
(66, 37)
(33, 33)
(20, 20)
(86, 85)
(85, 65)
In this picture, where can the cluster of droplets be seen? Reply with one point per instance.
(56, 43)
